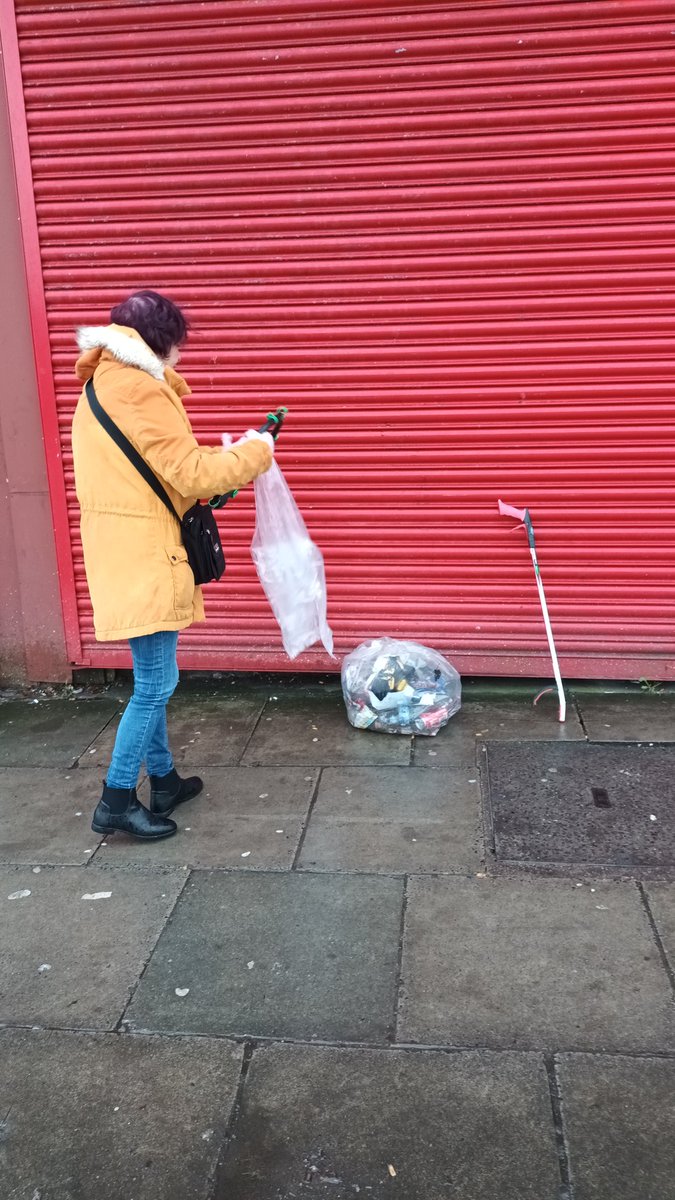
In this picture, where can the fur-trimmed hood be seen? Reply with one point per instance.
(139, 577)
(125, 346)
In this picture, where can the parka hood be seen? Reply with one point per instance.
(125, 346)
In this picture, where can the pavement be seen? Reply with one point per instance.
(367, 965)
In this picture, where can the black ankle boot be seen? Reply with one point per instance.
(119, 809)
(166, 791)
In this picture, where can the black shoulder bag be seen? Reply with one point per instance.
(199, 531)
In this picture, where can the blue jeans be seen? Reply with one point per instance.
(142, 733)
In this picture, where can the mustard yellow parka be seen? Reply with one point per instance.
(137, 570)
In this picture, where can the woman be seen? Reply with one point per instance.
(141, 585)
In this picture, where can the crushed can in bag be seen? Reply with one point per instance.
(394, 686)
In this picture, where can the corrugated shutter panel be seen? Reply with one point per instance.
(443, 236)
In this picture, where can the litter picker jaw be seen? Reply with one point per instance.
(523, 516)
(273, 424)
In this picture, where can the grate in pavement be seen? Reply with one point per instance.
(606, 804)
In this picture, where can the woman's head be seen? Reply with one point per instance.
(159, 321)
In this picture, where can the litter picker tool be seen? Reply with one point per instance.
(523, 516)
(273, 423)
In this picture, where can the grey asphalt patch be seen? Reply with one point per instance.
(311, 729)
(342, 1123)
(45, 815)
(50, 733)
(276, 955)
(257, 811)
(531, 964)
(73, 962)
(595, 804)
(98, 1115)
(629, 718)
(619, 1116)
(395, 819)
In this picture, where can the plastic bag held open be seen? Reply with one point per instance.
(289, 565)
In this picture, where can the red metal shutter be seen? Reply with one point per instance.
(443, 236)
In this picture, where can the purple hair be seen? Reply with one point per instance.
(159, 321)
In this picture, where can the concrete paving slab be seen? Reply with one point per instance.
(596, 804)
(99, 1115)
(509, 719)
(633, 717)
(45, 815)
(661, 898)
(531, 964)
(50, 733)
(475, 1126)
(91, 951)
(203, 729)
(395, 819)
(257, 811)
(285, 955)
(619, 1116)
(311, 729)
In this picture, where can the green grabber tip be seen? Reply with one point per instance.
(274, 416)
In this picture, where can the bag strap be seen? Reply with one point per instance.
(126, 447)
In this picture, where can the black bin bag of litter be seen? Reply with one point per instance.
(393, 686)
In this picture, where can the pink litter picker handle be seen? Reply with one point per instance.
(507, 510)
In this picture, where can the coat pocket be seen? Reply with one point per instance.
(183, 579)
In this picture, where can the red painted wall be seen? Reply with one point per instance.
(32, 644)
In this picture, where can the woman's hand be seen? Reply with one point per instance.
(252, 434)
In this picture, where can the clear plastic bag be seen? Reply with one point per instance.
(289, 565)
(399, 687)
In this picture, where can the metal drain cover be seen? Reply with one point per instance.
(610, 804)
